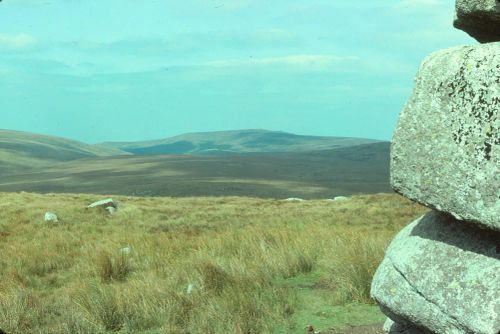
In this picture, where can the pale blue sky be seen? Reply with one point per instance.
(100, 70)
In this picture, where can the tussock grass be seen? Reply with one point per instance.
(18, 308)
(353, 266)
(113, 267)
(198, 265)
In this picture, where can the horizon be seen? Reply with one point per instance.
(155, 70)
(187, 133)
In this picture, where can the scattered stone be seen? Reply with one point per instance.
(310, 330)
(446, 148)
(111, 209)
(294, 199)
(108, 204)
(126, 250)
(442, 276)
(51, 217)
(479, 18)
(392, 327)
(338, 198)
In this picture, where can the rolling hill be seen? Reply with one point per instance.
(314, 174)
(236, 142)
(22, 151)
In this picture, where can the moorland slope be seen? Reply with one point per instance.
(318, 174)
(21, 151)
(237, 142)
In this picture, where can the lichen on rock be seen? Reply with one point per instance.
(442, 277)
(446, 146)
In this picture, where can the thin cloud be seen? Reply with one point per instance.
(16, 42)
(299, 61)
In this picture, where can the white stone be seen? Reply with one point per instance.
(51, 217)
(294, 199)
(126, 250)
(111, 209)
(108, 204)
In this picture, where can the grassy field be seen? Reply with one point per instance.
(192, 265)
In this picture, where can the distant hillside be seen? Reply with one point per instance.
(255, 163)
(236, 142)
(22, 150)
(317, 174)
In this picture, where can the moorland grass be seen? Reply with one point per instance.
(309, 175)
(192, 265)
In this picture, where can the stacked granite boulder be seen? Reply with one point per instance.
(441, 274)
(479, 18)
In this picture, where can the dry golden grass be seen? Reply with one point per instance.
(193, 265)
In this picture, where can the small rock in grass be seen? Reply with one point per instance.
(337, 199)
(108, 204)
(51, 217)
(392, 327)
(111, 209)
(126, 250)
(294, 199)
(190, 288)
(310, 330)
